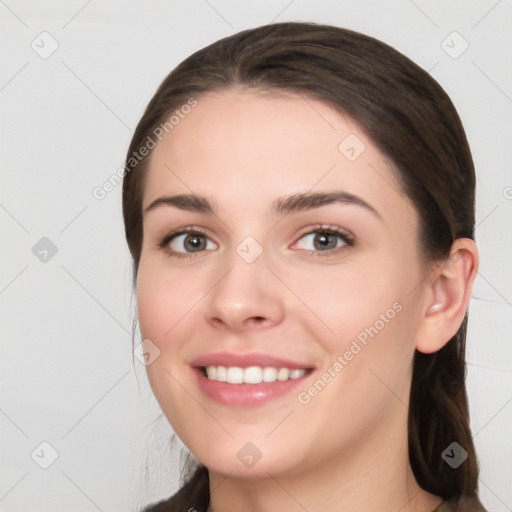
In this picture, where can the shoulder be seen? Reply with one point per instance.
(161, 506)
(194, 496)
(175, 503)
(464, 503)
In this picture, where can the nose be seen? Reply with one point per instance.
(247, 296)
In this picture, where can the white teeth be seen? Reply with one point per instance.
(252, 374)
(283, 374)
(295, 374)
(269, 374)
(221, 373)
(235, 375)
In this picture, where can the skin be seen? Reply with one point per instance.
(347, 448)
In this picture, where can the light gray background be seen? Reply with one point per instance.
(66, 369)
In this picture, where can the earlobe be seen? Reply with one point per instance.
(448, 294)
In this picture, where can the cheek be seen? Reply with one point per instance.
(163, 301)
(345, 301)
(362, 321)
(165, 304)
(167, 311)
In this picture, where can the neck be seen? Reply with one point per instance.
(374, 474)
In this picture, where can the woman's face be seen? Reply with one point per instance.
(262, 286)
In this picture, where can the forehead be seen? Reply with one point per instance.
(245, 148)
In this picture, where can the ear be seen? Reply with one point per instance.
(447, 296)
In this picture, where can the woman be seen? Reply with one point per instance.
(299, 205)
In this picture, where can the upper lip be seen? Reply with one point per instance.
(245, 360)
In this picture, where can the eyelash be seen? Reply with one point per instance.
(345, 236)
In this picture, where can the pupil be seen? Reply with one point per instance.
(194, 240)
(324, 240)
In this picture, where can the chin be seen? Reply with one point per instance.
(239, 457)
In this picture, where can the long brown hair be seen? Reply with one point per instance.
(410, 118)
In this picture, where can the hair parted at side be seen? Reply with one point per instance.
(410, 118)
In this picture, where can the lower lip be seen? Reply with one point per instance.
(246, 395)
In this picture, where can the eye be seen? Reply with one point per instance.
(325, 239)
(321, 241)
(185, 242)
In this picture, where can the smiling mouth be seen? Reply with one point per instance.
(252, 374)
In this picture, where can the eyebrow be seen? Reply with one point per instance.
(280, 206)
